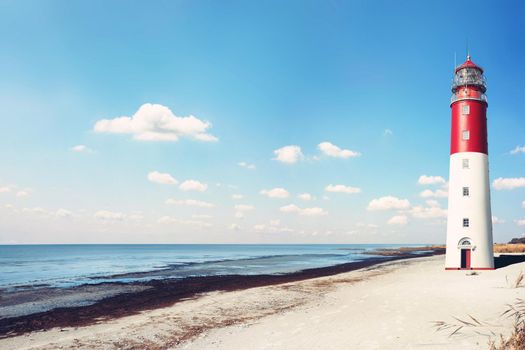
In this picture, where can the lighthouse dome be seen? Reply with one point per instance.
(468, 64)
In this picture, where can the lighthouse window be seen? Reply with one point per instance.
(465, 164)
(466, 222)
(466, 192)
(465, 109)
(465, 135)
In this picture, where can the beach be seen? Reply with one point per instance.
(42, 287)
(389, 305)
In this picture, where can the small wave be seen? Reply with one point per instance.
(172, 267)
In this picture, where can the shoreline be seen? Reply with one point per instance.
(158, 294)
(395, 304)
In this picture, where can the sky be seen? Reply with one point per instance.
(249, 121)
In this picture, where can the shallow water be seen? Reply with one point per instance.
(34, 266)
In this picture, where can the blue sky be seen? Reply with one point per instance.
(370, 77)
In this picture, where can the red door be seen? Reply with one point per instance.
(465, 258)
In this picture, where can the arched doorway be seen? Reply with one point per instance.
(465, 246)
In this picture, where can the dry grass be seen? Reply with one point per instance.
(509, 248)
(518, 281)
(516, 341)
(455, 327)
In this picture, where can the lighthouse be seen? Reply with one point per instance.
(469, 224)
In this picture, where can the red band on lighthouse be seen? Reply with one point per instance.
(469, 127)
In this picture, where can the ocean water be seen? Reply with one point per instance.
(34, 266)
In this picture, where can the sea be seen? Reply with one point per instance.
(63, 266)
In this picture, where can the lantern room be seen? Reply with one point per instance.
(469, 82)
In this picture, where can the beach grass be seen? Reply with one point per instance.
(509, 248)
(518, 281)
(516, 340)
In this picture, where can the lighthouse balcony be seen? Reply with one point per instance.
(469, 95)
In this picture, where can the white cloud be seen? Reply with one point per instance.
(288, 154)
(81, 149)
(508, 183)
(315, 211)
(332, 150)
(162, 178)
(135, 217)
(430, 180)
(107, 215)
(305, 196)
(388, 202)
(201, 216)
(246, 165)
(190, 203)
(36, 210)
(496, 220)
(432, 203)
(235, 227)
(240, 209)
(277, 192)
(172, 220)
(193, 185)
(387, 132)
(274, 227)
(244, 207)
(166, 220)
(155, 122)
(439, 193)
(520, 222)
(292, 208)
(23, 194)
(342, 189)
(363, 225)
(523, 204)
(5, 189)
(63, 213)
(398, 220)
(518, 149)
(428, 213)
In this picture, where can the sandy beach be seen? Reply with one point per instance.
(392, 305)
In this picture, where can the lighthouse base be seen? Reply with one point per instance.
(469, 224)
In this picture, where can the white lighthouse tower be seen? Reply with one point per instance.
(469, 225)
